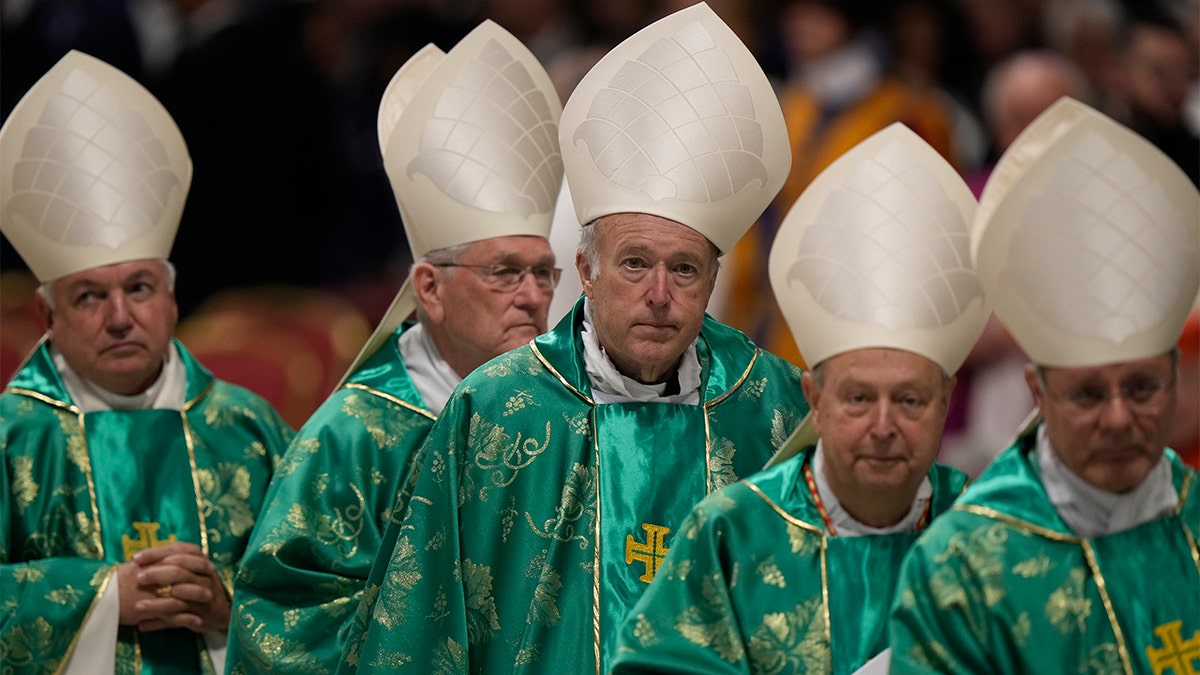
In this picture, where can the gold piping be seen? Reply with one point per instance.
(558, 375)
(784, 514)
(1122, 650)
(389, 397)
(1026, 526)
(191, 449)
(596, 552)
(62, 665)
(727, 393)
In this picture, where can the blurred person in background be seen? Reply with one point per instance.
(1158, 70)
(837, 93)
(992, 399)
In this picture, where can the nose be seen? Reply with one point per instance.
(119, 317)
(528, 293)
(883, 419)
(1115, 413)
(659, 291)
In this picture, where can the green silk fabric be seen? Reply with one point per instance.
(77, 489)
(536, 511)
(324, 521)
(1001, 585)
(754, 584)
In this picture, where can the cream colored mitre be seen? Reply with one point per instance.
(876, 253)
(677, 121)
(1088, 241)
(470, 146)
(93, 171)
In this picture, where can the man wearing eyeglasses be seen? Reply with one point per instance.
(555, 481)
(476, 196)
(1075, 550)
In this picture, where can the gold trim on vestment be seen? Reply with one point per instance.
(553, 371)
(1090, 556)
(596, 545)
(62, 665)
(1024, 525)
(388, 397)
(191, 450)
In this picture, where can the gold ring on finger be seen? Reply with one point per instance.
(163, 591)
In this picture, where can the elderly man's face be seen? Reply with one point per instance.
(649, 292)
(479, 316)
(114, 324)
(1108, 424)
(879, 413)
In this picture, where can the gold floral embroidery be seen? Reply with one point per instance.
(770, 574)
(1037, 566)
(644, 632)
(1068, 607)
(792, 641)
(517, 402)
(450, 657)
(500, 458)
(23, 647)
(575, 504)
(24, 487)
(225, 491)
(482, 619)
(402, 575)
(720, 463)
(753, 389)
(708, 624)
(544, 608)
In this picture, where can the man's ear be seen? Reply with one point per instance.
(427, 286)
(812, 394)
(1031, 380)
(44, 311)
(585, 272)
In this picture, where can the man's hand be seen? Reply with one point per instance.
(173, 586)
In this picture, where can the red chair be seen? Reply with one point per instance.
(289, 345)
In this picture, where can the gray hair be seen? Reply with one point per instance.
(45, 290)
(589, 247)
(446, 255)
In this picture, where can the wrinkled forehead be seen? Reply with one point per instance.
(879, 365)
(150, 268)
(618, 229)
(512, 248)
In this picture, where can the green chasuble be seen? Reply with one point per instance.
(754, 584)
(1001, 585)
(81, 493)
(304, 572)
(539, 517)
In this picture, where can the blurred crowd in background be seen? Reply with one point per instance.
(277, 100)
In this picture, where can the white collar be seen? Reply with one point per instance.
(1092, 512)
(167, 392)
(610, 386)
(433, 377)
(846, 524)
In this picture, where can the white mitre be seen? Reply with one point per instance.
(470, 145)
(876, 253)
(93, 171)
(1088, 240)
(677, 121)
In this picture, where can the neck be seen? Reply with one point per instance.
(877, 508)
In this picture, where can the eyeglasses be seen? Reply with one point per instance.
(1144, 397)
(508, 278)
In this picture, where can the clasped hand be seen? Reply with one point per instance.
(172, 586)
